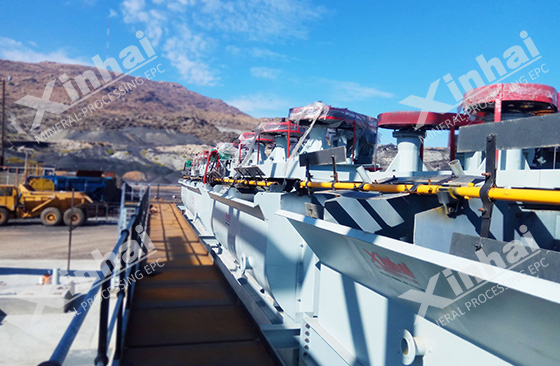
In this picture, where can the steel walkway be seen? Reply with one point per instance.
(186, 313)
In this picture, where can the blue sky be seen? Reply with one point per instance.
(265, 56)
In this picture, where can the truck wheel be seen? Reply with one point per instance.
(51, 216)
(75, 215)
(4, 216)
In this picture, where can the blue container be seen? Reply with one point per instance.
(95, 187)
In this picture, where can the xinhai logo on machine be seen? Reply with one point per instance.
(392, 269)
(469, 292)
(131, 59)
(488, 71)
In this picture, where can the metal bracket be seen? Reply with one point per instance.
(490, 175)
(308, 177)
(323, 157)
(450, 203)
(360, 187)
(250, 172)
(413, 188)
(335, 174)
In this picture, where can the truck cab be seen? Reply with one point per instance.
(8, 202)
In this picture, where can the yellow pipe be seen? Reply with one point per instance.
(246, 182)
(388, 188)
(501, 194)
(513, 194)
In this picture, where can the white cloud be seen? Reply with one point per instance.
(187, 41)
(234, 50)
(193, 71)
(266, 53)
(347, 91)
(134, 11)
(190, 30)
(177, 5)
(256, 52)
(265, 72)
(113, 13)
(260, 104)
(183, 47)
(11, 49)
(259, 19)
(185, 52)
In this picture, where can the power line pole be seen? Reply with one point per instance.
(2, 159)
(3, 119)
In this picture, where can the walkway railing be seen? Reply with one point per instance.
(125, 260)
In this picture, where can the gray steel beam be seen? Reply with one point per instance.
(523, 133)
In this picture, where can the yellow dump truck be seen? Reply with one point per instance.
(53, 207)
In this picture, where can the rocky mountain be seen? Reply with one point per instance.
(116, 104)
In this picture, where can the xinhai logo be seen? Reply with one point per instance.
(386, 264)
(131, 58)
(489, 71)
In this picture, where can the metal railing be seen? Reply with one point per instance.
(130, 194)
(103, 211)
(131, 240)
(16, 174)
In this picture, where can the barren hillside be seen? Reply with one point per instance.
(149, 104)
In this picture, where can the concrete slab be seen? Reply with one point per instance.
(27, 340)
(21, 290)
(24, 300)
(28, 251)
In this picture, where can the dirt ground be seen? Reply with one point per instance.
(28, 239)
